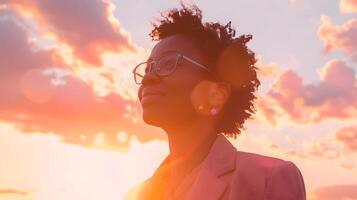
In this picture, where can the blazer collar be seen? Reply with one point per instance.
(220, 160)
(221, 157)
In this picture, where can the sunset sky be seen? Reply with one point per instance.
(70, 120)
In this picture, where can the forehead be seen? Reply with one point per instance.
(178, 43)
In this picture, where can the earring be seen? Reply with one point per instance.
(213, 111)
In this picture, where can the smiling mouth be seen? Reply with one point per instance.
(152, 95)
(150, 98)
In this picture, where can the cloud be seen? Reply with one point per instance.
(269, 109)
(335, 192)
(89, 28)
(342, 37)
(327, 148)
(36, 96)
(267, 70)
(72, 110)
(334, 96)
(11, 191)
(347, 166)
(348, 137)
(348, 6)
(288, 153)
(321, 149)
(314, 149)
(17, 55)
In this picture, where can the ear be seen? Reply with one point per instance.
(219, 93)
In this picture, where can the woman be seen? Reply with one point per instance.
(198, 86)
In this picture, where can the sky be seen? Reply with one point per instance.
(70, 119)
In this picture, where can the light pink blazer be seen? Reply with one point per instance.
(228, 174)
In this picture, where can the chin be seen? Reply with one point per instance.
(152, 117)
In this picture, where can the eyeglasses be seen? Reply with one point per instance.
(164, 66)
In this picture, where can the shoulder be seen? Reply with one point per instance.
(251, 163)
(254, 168)
(258, 161)
(266, 166)
(281, 179)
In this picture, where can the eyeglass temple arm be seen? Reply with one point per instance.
(194, 62)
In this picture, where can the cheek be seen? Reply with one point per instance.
(180, 91)
(179, 96)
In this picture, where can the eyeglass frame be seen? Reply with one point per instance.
(179, 56)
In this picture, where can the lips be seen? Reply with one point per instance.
(151, 96)
(152, 93)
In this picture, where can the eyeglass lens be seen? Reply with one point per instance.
(163, 67)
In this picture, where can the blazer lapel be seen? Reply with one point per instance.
(207, 186)
(220, 160)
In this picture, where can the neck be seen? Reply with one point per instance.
(190, 143)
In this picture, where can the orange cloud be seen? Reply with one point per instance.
(348, 6)
(11, 191)
(333, 97)
(339, 37)
(267, 70)
(38, 97)
(335, 192)
(347, 166)
(89, 28)
(348, 136)
(269, 109)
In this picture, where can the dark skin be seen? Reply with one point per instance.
(191, 131)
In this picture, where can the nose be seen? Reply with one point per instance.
(150, 78)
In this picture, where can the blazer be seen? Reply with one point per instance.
(228, 174)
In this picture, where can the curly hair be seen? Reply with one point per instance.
(227, 56)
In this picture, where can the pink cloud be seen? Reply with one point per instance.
(17, 55)
(321, 149)
(334, 96)
(335, 192)
(348, 6)
(89, 28)
(348, 136)
(342, 37)
(73, 109)
(37, 97)
(288, 152)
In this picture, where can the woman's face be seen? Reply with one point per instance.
(166, 101)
